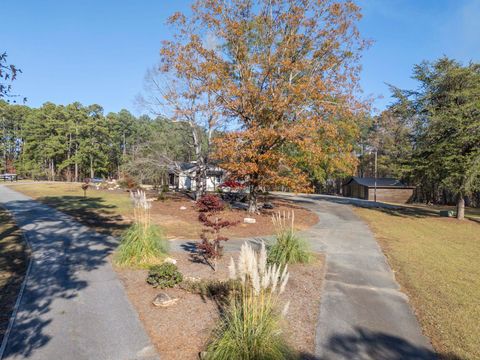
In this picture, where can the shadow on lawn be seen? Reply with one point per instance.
(367, 344)
(62, 251)
(90, 211)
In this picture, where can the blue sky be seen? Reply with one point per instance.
(98, 51)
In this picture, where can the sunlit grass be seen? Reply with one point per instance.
(105, 211)
(437, 262)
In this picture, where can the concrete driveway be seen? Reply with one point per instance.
(363, 314)
(73, 306)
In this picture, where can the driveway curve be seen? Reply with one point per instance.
(363, 313)
(73, 306)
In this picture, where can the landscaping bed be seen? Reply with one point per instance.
(13, 264)
(182, 330)
(184, 224)
(111, 211)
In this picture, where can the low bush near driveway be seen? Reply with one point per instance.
(165, 275)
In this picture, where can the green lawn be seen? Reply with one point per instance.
(106, 211)
(437, 262)
(13, 262)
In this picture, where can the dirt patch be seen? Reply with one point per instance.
(181, 331)
(183, 224)
(13, 264)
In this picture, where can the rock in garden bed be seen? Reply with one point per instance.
(164, 300)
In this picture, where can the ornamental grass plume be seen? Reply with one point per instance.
(250, 327)
(143, 244)
(288, 247)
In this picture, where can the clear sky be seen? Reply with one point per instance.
(97, 51)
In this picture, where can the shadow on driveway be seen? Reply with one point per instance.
(60, 254)
(365, 344)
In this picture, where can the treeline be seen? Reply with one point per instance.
(73, 142)
(430, 136)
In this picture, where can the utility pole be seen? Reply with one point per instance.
(375, 182)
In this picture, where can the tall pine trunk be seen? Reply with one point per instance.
(460, 207)
(92, 173)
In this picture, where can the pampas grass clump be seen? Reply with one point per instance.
(143, 244)
(250, 328)
(288, 247)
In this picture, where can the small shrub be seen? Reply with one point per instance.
(288, 247)
(210, 247)
(85, 185)
(128, 182)
(217, 289)
(210, 203)
(211, 237)
(165, 275)
(162, 193)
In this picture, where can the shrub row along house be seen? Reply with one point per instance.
(387, 189)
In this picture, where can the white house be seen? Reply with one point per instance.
(182, 176)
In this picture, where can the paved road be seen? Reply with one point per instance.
(363, 314)
(73, 307)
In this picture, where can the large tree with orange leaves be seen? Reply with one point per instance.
(284, 73)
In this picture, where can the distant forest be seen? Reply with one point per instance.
(73, 142)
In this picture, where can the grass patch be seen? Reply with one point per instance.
(104, 211)
(13, 264)
(437, 262)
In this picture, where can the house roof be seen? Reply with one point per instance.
(188, 167)
(381, 182)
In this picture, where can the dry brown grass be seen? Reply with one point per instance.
(13, 263)
(437, 262)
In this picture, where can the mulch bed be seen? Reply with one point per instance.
(182, 330)
(181, 224)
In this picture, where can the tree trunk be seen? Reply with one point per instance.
(199, 180)
(52, 170)
(200, 174)
(460, 207)
(91, 168)
(252, 199)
